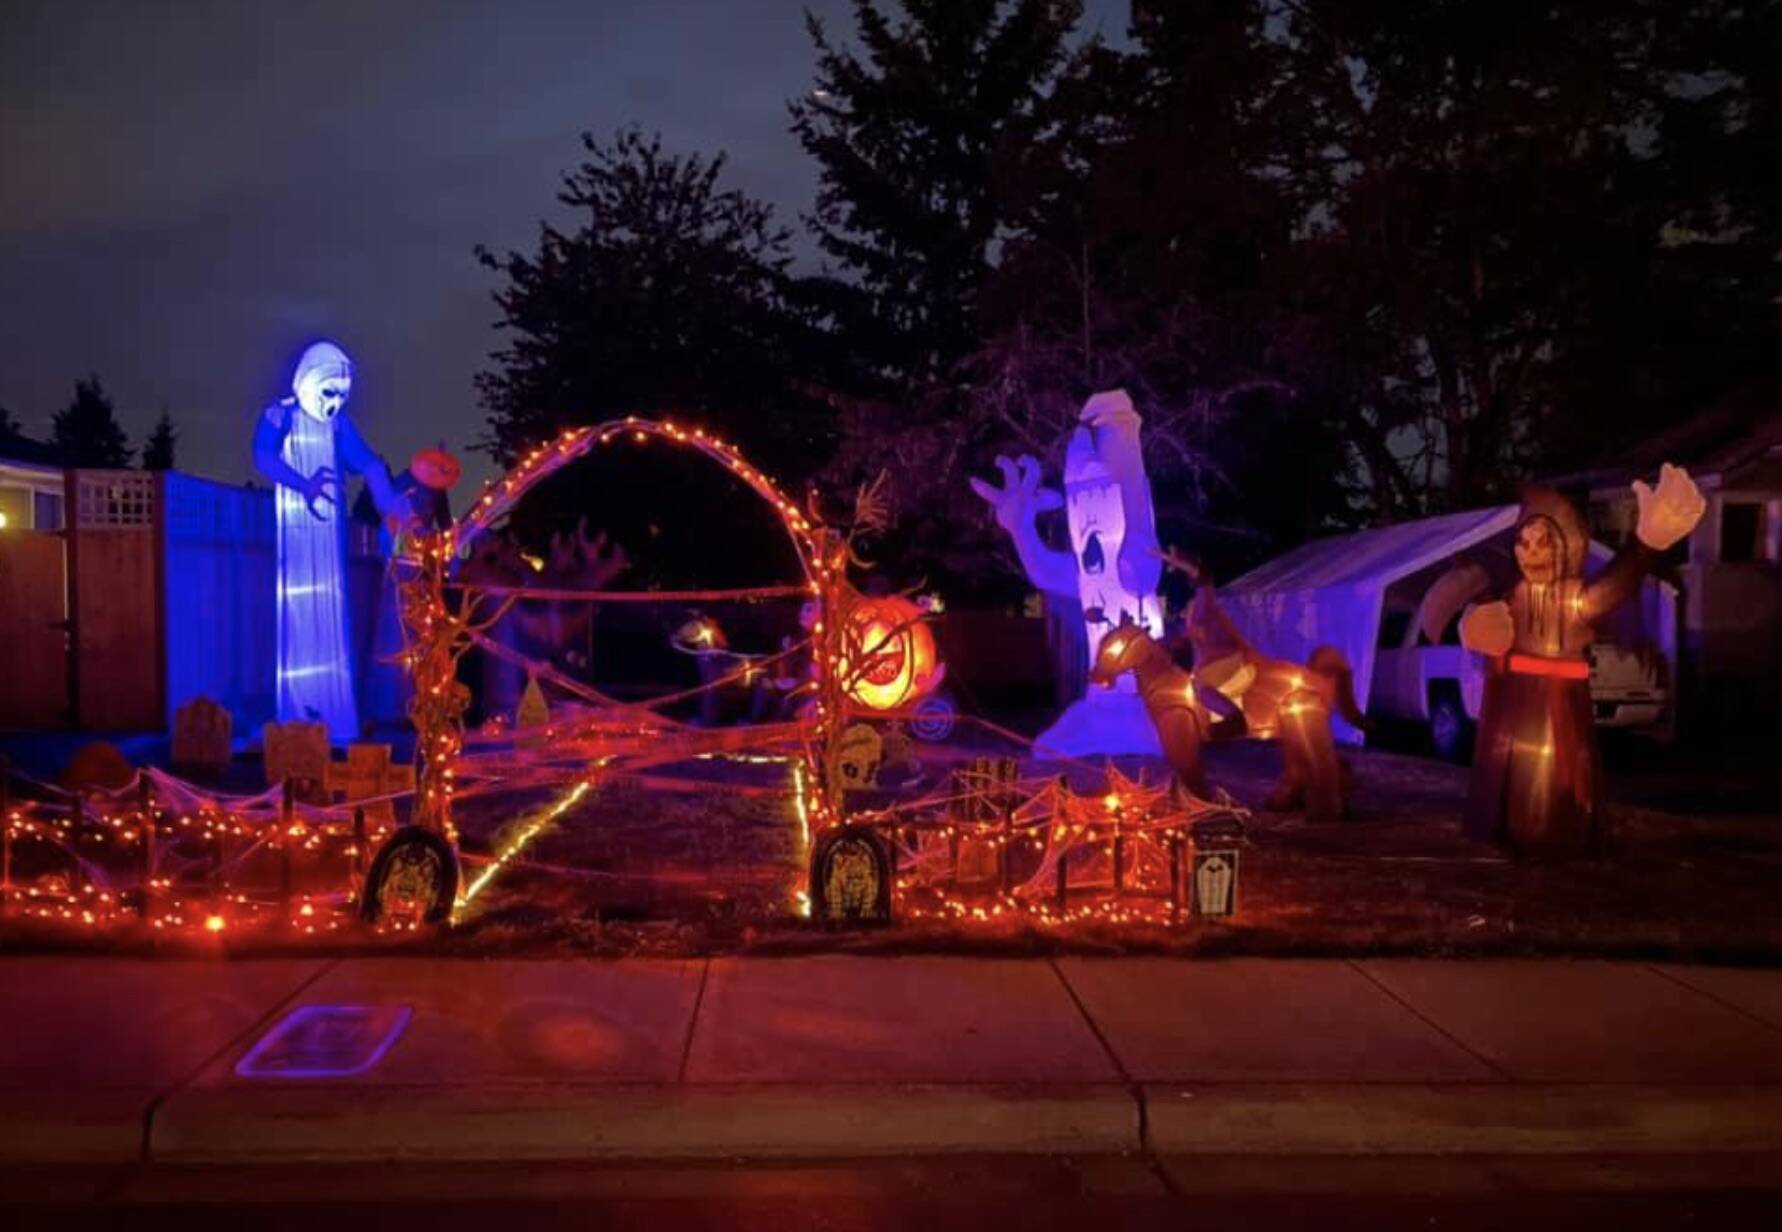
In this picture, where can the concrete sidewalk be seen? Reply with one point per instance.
(115, 1060)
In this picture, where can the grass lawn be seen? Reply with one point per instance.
(706, 858)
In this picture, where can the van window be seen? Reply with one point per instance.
(1392, 629)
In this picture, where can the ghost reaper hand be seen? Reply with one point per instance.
(315, 488)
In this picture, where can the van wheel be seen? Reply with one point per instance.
(1450, 730)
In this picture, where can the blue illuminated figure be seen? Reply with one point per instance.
(300, 444)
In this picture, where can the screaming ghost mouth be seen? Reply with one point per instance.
(1093, 560)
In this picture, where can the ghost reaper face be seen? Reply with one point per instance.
(1537, 550)
(323, 381)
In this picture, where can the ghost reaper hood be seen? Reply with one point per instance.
(1567, 523)
(322, 380)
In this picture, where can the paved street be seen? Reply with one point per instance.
(975, 1193)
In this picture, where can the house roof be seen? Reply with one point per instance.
(1741, 428)
(27, 452)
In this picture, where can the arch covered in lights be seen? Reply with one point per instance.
(500, 496)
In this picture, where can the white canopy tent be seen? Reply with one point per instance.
(1331, 591)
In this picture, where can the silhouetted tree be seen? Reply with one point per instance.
(158, 450)
(11, 430)
(908, 135)
(1527, 225)
(87, 430)
(671, 292)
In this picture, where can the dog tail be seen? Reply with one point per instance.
(1330, 663)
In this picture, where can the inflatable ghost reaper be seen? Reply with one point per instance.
(1536, 772)
(1111, 569)
(300, 444)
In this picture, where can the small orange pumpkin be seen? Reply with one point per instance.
(436, 469)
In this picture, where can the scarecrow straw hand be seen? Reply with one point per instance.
(1668, 514)
(1488, 629)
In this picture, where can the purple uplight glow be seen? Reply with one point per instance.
(325, 1041)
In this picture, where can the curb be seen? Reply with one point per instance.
(233, 1125)
(73, 1127)
(1460, 1119)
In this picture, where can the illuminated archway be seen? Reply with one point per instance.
(500, 496)
(438, 634)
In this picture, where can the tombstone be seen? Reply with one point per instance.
(850, 878)
(299, 752)
(854, 763)
(100, 765)
(413, 880)
(202, 733)
(1213, 871)
(366, 775)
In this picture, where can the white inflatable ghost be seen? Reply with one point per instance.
(1111, 570)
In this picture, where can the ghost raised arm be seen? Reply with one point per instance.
(1017, 505)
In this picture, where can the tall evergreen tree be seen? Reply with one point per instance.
(11, 430)
(909, 136)
(158, 450)
(671, 292)
(87, 430)
(1531, 219)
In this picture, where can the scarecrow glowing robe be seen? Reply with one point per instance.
(1537, 774)
(315, 674)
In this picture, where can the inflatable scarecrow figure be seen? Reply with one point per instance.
(1536, 771)
(1111, 569)
(300, 444)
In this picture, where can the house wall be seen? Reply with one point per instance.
(1732, 609)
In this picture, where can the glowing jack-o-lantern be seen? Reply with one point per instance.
(894, 649)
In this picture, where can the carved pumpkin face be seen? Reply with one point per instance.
(894, 647)
(1537, 551)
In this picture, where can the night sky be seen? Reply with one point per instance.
(190, 192)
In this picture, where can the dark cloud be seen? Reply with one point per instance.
(191, 191)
